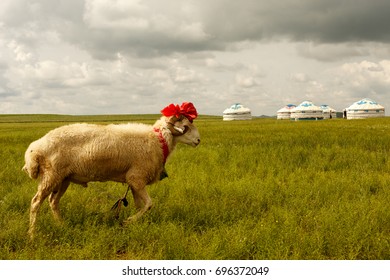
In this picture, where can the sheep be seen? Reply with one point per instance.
(133, 153)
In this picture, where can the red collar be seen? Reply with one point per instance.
(163, 143)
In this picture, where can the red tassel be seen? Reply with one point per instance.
(186, 109)
(171, 110)
(189, 111)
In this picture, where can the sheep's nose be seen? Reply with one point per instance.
(196, 142)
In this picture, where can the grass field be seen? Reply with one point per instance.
(260, 189)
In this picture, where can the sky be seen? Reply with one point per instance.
(136, 57)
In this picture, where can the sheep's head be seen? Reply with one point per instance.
(180, 124)
(184, 131)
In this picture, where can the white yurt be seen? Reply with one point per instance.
(285, 112)
(237, 112)
(306, 111)
(328, 112)
(365, 108)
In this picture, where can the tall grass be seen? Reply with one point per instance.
(260, 189)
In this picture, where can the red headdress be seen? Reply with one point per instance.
(186, 109)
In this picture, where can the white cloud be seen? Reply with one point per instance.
(300, 78)
(246, 81)
(20, 51)
(370, 78)
(186, 75)
(124, 15)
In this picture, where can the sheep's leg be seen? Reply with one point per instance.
(137, 199)
(140, 195)
(36, 203)
(55, 197)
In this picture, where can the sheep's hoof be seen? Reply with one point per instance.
(130, 220)
(126, 223)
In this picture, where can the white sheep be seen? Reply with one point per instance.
(131, 153)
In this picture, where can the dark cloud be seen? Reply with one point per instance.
(300, 20)
(147, 28)
(335, 21)
(220, 24)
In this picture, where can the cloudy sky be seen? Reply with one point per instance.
(134, 56)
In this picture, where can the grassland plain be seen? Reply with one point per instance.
(260, 189)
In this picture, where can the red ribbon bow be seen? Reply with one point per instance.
(186, 109)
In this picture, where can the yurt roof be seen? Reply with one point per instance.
(327, 108)
(365, 104)
(286, 108)
(237, 108)
(306, 106)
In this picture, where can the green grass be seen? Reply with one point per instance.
(260, 189)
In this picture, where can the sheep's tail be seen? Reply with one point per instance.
(32, 164)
